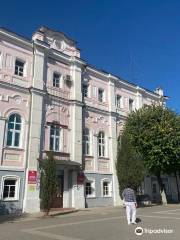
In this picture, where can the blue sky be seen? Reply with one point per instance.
(137, 40)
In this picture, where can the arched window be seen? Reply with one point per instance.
(101, 144)
(14, 130)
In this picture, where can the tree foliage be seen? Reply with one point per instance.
(130, 167)
(154, 131)
(48, 185)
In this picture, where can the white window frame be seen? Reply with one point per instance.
(86, 142)
(101, 97)
(14, 131)
(19, 71)
(93, 194)
(17, 187)
(56, 79)
(101, 144)
(55, 138)
(118, 101)
(109, 187)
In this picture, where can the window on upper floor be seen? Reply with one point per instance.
(86, 141)
(1, 60)
(14, 130)
(118, 101)
(55, 138)
(56, 80)
(85, 90)
(19, 68)
(131, 105)
(101, 95)
(10, 188)
(101, 144)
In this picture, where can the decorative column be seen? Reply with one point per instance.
(66, 189)
(113, 143)
(31, 199)
(76, 131)
(139, 99)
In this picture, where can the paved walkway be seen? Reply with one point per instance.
(158, 222)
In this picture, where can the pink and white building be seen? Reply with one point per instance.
(52, 100)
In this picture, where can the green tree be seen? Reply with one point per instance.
(130, 167)
(154, 131)
(48, 186)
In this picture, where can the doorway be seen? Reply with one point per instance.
(58, 197)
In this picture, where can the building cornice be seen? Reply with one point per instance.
(14, 87)
(71, 59)
(15, 37)
(98, 110)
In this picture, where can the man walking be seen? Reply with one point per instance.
(130, 203)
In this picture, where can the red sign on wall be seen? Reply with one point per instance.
(80, 178)
(32, 177)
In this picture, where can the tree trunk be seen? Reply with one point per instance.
(177, 185)
(163, 198)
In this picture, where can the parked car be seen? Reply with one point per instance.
(143, 200)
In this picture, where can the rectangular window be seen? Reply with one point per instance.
(86, 141)
(10, 189)
(118, 101)
(19, 68)
(131, 105)
(88, 188)
(106, 188)
(55, 138)
(85, 90)
(154, 188)
(100, 95)
(101, 144)
(56, 80)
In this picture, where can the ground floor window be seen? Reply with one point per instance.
(10, 188)
(90, 189)
(106, 188)
(154, 188)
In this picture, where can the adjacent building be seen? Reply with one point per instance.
(52, 100)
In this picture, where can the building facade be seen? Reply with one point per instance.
(52, 100)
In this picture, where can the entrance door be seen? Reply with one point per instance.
(58, 198)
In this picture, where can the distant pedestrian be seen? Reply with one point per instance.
(130, 203)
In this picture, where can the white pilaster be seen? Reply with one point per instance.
(113, 159)
(76, 115)
(139, 100)
(77, 192)
(66, 190)
(31, 200)
(113, 143)
(111, 90)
